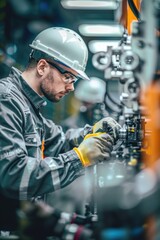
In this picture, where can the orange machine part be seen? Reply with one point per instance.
(151, 101)
(127, 16)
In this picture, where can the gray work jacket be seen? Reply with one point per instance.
(23, 173)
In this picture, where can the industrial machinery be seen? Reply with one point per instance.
(127, 206)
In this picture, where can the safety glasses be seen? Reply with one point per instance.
(68, 76)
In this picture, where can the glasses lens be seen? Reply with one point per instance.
(68, 76)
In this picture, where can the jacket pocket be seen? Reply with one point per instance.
(33, 145)
(32, 139)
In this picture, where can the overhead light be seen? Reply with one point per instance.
(101, 30)
(90, 4)
(101, 45)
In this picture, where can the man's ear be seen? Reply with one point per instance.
(41, 66)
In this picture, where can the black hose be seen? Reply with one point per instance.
(134, 9)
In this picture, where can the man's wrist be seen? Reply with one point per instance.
(84, 160)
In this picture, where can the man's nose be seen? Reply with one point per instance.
(70, 87)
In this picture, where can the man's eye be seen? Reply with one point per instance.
(68, 76)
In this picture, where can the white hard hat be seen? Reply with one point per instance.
(63, 45)
(92, 91)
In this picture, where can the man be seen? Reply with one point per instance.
(36, 157)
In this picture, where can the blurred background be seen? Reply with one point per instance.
(22, 20)
(123, 64)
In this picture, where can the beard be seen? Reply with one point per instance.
(47, 94)
(47, 88)
(50, 97)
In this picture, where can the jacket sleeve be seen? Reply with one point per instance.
(59, 142)
(23, 176)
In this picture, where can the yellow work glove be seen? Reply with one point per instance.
(108, 125)
(95, 147)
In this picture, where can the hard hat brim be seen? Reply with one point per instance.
(83, 75)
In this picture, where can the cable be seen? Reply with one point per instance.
(134, 9)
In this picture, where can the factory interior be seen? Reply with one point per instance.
(118, 199)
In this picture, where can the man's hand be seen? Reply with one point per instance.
(94, 148)
(108, 125)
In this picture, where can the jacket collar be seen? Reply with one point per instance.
(33, 97)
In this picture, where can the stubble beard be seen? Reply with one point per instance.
(47, 92)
